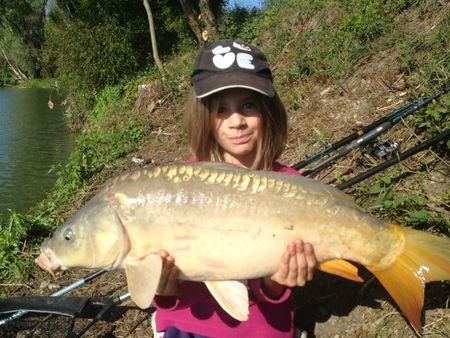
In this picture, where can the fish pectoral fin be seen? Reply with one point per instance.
(342, 269)
(143, 278)
(232, 296)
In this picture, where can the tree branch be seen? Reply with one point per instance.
(17, 72)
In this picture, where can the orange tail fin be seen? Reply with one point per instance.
(425, 258)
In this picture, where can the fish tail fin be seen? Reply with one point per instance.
(425, 258)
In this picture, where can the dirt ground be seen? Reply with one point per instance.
(328, 306)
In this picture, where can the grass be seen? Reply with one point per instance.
(39, 83)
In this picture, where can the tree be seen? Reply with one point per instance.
(192, 18)
(153, 38)
(14, 54)
(15, 69)
(202, 17)
(91, 57)
(25, 19)
(209, 20)
(73, 25)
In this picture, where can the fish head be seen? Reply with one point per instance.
(93, 238)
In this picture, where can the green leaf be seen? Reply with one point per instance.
(387, 180)
(418, 215)
(417, 199)
(375, 189)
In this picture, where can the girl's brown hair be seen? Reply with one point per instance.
(201, 139)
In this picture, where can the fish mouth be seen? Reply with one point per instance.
(46, 262)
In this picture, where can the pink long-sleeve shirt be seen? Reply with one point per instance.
(195, 310)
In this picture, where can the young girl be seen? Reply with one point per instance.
(234, 115)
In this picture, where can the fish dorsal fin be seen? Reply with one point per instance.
(341, 268)
(232, 296)
(143, 278)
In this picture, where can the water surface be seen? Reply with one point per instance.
(33, 138)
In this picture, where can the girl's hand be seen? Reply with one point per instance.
(296, 267)
(168, 283)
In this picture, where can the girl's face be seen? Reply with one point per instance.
(237, 125)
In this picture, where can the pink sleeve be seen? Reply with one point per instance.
(191, 160)
(258, 292)
(278, 167)
(188, 293)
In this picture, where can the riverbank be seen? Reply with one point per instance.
(38, 83)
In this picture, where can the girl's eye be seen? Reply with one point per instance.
(249, 106)
(221, 111)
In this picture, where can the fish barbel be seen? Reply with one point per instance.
(224, 224)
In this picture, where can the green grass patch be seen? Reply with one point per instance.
(39, 83)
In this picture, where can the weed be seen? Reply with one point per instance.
(407, 207)
(104, 103)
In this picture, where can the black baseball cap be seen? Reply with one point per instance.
(231, 64)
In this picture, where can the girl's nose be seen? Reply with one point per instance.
(236, 120)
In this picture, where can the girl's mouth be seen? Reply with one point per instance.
(240, 139)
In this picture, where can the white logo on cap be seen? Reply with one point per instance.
(241, 46)
(223, 57)
(244, 60)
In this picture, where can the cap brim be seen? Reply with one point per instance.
(221, 81)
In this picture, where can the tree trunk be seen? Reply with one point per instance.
(208, 19)
(191, 17)
(153, 38)
(16, 70)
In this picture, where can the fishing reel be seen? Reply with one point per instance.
(376, 152)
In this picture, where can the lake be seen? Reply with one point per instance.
(33, 139)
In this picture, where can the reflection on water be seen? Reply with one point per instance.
(33, 138)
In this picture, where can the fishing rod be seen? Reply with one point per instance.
(109, 304)
(66, 306)
(365, 134)
(365, 139)
(60, 292)
(400, 157)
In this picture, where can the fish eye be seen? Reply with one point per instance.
(69, 235)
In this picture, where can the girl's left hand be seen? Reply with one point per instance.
(168, 283)
(297, 266)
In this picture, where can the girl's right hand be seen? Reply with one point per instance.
(168, 283)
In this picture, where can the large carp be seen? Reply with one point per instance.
(224, 224)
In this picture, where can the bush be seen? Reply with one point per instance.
(88, 58)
